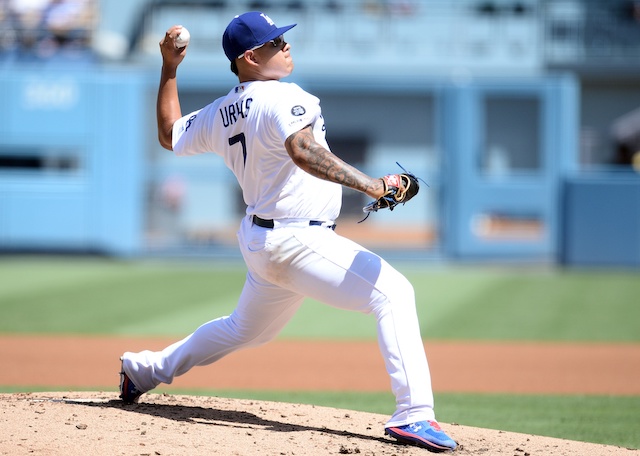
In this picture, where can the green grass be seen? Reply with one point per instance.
(97, 296)
(100, 296)
(598, 419)
(529, 304)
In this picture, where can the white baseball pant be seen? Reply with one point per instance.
(285, 265)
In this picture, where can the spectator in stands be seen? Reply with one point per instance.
(39, 29)
(25, 19)
(8, 39)
(67, 26)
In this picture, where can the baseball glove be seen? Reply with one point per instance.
(398, 188)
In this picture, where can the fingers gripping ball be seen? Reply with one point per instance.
(183, 38)
(398, 189)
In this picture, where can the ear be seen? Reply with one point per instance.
(248, 62)
(251, 57)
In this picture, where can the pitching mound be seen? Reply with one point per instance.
(98, 423)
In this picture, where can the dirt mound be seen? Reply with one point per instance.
(162, 424)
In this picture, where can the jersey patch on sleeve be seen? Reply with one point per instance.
(298, 110)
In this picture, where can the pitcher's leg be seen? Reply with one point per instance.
(263, 310)
(390, 297)
(402, 348)
(343, 274)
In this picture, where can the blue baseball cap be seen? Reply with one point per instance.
(248, 31)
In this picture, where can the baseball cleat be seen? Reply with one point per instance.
(425, 434)
(129, 393)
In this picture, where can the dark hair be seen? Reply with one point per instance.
(234, 67)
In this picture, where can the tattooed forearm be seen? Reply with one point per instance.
(319, 162)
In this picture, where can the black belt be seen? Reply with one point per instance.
(269, 223)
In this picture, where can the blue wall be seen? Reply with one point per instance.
(78, 151)
(72, 148)
(602, 220)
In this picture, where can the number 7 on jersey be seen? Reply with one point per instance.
(239, 138)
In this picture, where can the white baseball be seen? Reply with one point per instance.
(183, 38)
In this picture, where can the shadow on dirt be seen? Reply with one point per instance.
(216, 417)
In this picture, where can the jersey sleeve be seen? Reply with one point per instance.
(295, 110)
(191, 133)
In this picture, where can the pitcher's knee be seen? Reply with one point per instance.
(248, 336)
(400, 289)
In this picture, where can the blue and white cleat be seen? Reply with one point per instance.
(425, 434)
(129, 393)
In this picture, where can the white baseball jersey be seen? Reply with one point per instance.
(248, 128)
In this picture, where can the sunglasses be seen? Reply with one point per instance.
(277, 42)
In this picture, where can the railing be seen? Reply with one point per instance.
(592, 33)
(394, 35)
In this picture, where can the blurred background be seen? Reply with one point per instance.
(522, 116)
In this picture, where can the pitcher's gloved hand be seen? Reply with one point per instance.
(398, 189)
